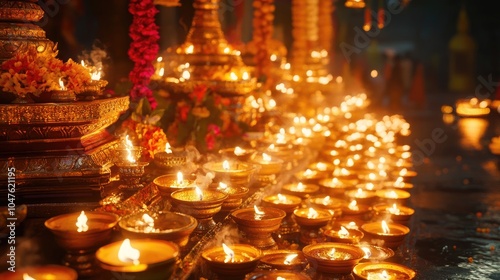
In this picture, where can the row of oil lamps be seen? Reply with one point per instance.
(330, 204)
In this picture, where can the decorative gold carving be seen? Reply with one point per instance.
(20, 11)
(56, 121)
(11, 30)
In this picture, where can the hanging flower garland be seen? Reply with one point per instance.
(144, 48)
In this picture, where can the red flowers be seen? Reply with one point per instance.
(144, 48)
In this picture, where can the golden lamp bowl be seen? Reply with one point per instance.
(333, 235)
(239, 173)
(367, 270)
(234, 198)
(276, 275)
(301, 216)
(375, 253)
(246, 258)
(402, 215)
(304, 191)
(170, 160)
(390, 196)
(157, 261)
(395, 237)
(41, 272)
(66, 235)
(167, 184)
(287, 203)
(245, 154)
(335, 258)
(169, 226)
(327, 202)
(271, 167)
(277, 259)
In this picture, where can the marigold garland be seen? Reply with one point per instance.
(144, 48)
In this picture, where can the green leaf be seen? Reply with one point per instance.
(156, 116)
(143, 108)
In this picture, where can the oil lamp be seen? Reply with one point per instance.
(383, 271)
(162, 225)
(333, 258)
(335, 205)
(201, 204)
(353, 210)
(375, 253)
(301, 190)
(170, 158)
(234, 196)
(387, 234)
(238, 153)
(396, 213)
(258, 223)
(277, 275)
(362, 196)
(139, 258)
(291, 260)
(336, 186)
(393, 196)
(405, 173)
(172, 182)
(126, 148)
(234, 172)
(46, 272)
(399, 183)
(343, 235)
(232, 261)
(80, 234)
(130, 172)
(310, 176)
(287, 203)
(270, 166)
(311, 221)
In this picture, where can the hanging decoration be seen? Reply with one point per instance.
(143, 49)
(262, 35)
(325, 21)
(381, 15)
(299, 33)
(167, 3)
(357, 4)
(368, 19)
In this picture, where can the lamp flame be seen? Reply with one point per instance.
(26, 276)
(403, 172)
(148, 220)
(353, 205)
(168, 149)
(266, 157)
(289, 258)
(343, 232)
(300, 186)
(229, 253)
(331, 253)
(312, 214)
(128, 143)
(81, 222)
(96, 75)
(326, 200)
(367, 251)
(392, 194)
(127, 253)
(239, 151)
(258, 213)
(130, 156)
(222, 186)
(161, 72)
(385, 227)
(384, 275)
(199, 192)
(394, 209)
(180, 178)
(245, 76)
(186, 75)
(61, 84)
(282, 198)
(225, 165)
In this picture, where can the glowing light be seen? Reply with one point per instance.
(258, 213)
(273, 57)
(289, 258)
(161, 72)
(199, 192)
(61, 84)
(385, 227)
(326, 200)
(354, 205)
(127, 253)
(96, 75)
(300, 186)
(222, 186)
(190, 49)
(282, 198)
(225, 165)
(367, 251)
(81, 222)
(245, 76)
(266, 157)
(168, 149)
(343, 232)
(233, 76)
(394, 209)
(229, 253)
(374, 73)
(27, 277)
(186, 75)
(331, 253)
(239, 151)
(312, 214)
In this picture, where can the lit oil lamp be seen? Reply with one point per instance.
(375, 253)
(385, 234)
(396, 213)
(311, 221)
(322, 166)
(277, 275)
(63, 94)
(126, 148)
(201, 204)
(291, 260)
(333, 258)
(172, 182)
(269, 166)
(399, 183)
(258, 223)
(130, 172)
(234, 196)
(170, 158)
(287, 203)
(139, 259)
(301, 190)
(234, 172)
(393, 196)
(327, 202)
(238, 153)
(46, 272)
(170, 226)
(232, 261)
(353, 210)
(405, 173)
(336, 186)
(383, 271)
(362, 196)
(310, 176)
(343, 235)
(80, 234)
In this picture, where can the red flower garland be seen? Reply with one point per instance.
(144, 48)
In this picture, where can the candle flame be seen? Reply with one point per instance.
(185, 74)
(180, 178)
(282, 198)
(82, 63)
(266, 157)
(353, 205)
(335, 181)
(161, 72)
(350, 162)
(225, 165)
(127, 253)
(326, 200)
(245, 76)
(130, 156)
(403, 172)
(343, 232)
(81, 222)
(384, 275)
(233, 76)
(321, 166)
(229, 253)
(258, 211)
(26, 276)
(331, 253)
(199, 192)
(168, 149)
(96, 75)
(272, 147)
(300, 186)
(289, 258)
(239, 151)
(222, 186)
(360, 192)
(190, 49)
(385, 227)
(309, 172)
(148, 220)
(128, 143)
(370, 186)
(312, 214)
(61, 84)
(367, 251)
(392, 194)
(394, 209)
